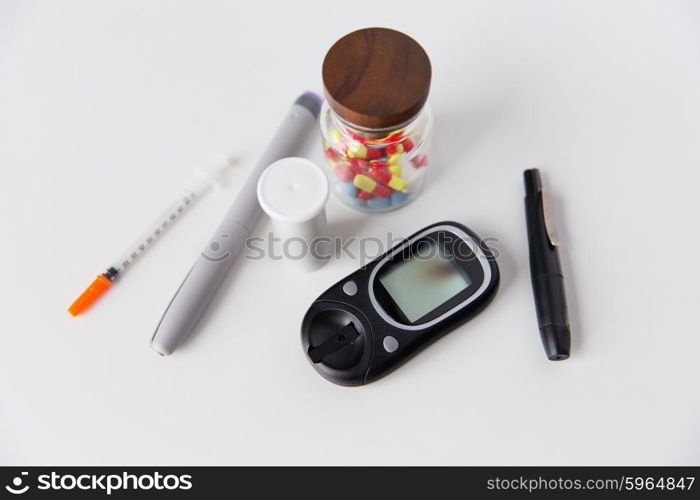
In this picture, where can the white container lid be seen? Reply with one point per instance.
(293, 190)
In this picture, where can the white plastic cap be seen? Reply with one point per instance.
(293, 190)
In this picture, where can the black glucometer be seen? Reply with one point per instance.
(378, 317)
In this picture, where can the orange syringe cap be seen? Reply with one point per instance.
(90, 295)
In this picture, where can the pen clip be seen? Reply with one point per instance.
(547, 212)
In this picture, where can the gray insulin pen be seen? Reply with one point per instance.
(205, 277)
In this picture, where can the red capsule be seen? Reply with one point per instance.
(407, 144)
(420, 161)
(363, 164)
(356, 137)
(355, 169)
(364, 195)
(375, 153)
(332, 154)
(394, 148)
(381, 191)
(343, 172)
(358, 166)
(379, 164)
(380, 174)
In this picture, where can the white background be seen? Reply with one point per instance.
(105, 107)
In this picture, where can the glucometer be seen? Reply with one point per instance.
(378, 317)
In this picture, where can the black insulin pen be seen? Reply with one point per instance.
(545, 270)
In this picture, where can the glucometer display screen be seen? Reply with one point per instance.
(424, 281)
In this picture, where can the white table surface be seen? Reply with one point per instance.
(105, 107)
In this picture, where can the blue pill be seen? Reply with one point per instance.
(347, 189)
(398, 198)
(378, 203)
(356, 202)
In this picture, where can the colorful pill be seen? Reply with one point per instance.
(335, 135)
(393, 159)
(420, 161)
(399, 198)
(380, 174)
(365, 183)
(381, 191)
(357, 150)
(363, 164)
(343, 172)
(397, 183)
(358, 166)
(356, 137)
(347, 189)
(394, 148)
(385, 176)
(331, 154)
(374, 153)
(373, 173)
(337, 141)
(378, 164)
(371, 186)
(355, 169)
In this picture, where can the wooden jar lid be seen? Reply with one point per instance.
(376, 78)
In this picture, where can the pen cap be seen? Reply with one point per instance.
(533, 182)
(293, 192)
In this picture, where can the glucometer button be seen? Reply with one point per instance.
(390, 344)
(350, 288)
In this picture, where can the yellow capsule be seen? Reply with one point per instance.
(335, 135)
(395, 169)
(357, 150)
(393, 159)
(365, 183)
(397, 183)
(394, 148)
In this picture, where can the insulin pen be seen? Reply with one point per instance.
(545, 270)
(207, 273)
(205, 177)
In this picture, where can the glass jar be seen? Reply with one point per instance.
(376, 170)
(375, 123)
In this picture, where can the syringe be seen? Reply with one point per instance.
(205, 177)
